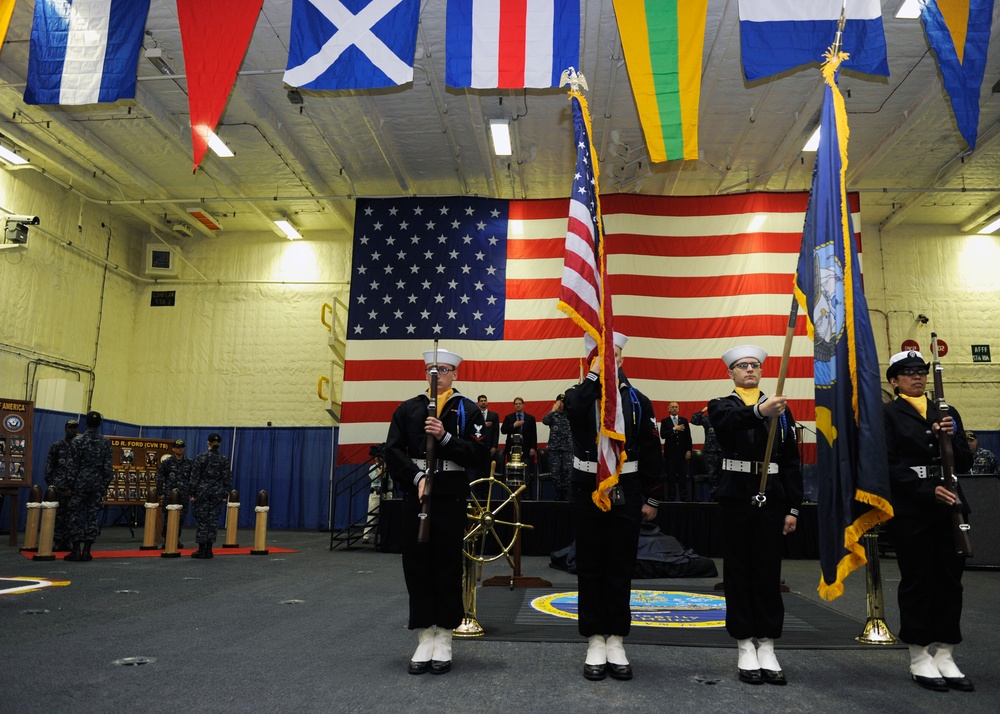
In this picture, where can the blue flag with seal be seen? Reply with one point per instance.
(352, 44)
(851, 456)
(84, 51)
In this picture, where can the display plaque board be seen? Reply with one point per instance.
(136, 461)
(16, 420)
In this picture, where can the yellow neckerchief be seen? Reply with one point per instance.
(918, 403)
(749, 396)
(442, 399)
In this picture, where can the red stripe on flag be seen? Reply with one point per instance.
(513, 36)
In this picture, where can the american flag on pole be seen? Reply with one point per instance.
(690, 277)
(585, 298)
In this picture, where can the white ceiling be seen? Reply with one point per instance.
(309, 161)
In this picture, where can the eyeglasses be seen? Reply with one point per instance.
(913, 372)
(747, 365)
(441, 369)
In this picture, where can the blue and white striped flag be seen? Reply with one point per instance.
(84, 51)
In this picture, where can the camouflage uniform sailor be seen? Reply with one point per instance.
(57, 475)
(90, 473)
(211, 481)
(559, 448)
(174, 472)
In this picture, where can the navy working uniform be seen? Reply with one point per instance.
(607, 541)
(433, 570)
(174, 473)
(752, 535)
(57, 475)
(211, 481)
(91, 473)
(559, 448)
(930, 570)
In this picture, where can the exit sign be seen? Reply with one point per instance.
(981, 353)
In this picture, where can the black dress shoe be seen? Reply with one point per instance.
(962, 684)
(418, 667)
(774, 676)
(620, 671)
(595, 672)
(440, 666)
(751, 676)
(937, 684)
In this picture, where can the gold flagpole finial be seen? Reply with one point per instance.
(574, 79)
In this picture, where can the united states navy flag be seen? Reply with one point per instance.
(851, 457)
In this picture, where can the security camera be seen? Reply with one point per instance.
(26, 220)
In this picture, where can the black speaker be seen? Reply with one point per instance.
(983, 495)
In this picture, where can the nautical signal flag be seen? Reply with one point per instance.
(663, 42)
(959, 33)
(212, 58)
(352, 44)
(852, 461)
(510, 44)
(779, 35)
(84, 52)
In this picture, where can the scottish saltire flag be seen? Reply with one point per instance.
(585, 297)
(959, 33)
(850, 439)
(779, 35)
(510, 44)
(84, 51)
(352, 44)
(663, 42)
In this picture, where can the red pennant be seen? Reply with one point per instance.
(215, 35)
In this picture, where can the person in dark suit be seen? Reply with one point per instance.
(491, 428)
(930, 570)
(520, 422)
(676, 435)
(752, 532)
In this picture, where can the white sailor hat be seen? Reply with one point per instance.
(620, 340)
(737, 353)
(902, 360)
(443, 357)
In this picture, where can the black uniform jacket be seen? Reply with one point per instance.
(743, 436)
(641, 440)
(910, 441)
(464, 444)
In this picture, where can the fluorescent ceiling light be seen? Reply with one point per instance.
(813, 143)
(909, 10)
(155, 57)
(990, 228)
(216, 145)
(500, 131)
(10, 157)
(288, 229)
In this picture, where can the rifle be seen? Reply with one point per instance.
(424, 529)
(963, 546)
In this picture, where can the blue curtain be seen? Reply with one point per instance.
(293, 464)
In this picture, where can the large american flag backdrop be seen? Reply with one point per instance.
(690, 278)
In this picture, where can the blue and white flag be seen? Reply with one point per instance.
(352, 44)
(84, 51)
(779, 35)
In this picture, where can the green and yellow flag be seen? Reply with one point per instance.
(663, 42)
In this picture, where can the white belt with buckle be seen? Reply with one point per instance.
(442, 465)
(925, 471)
(746, 467)
(590, 467)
